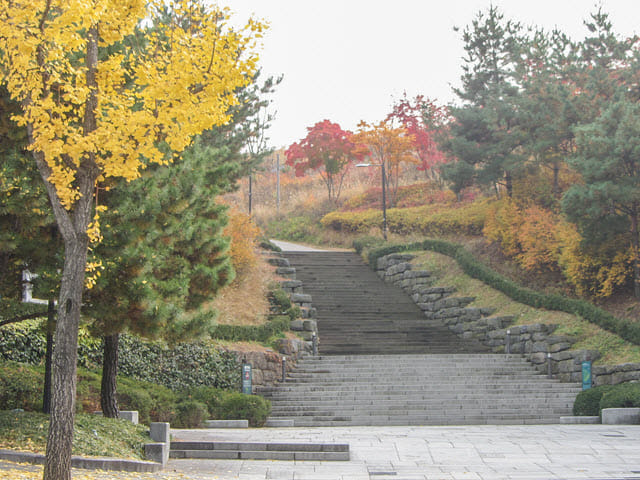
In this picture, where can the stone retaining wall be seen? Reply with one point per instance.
(266, 365)
(534, 341)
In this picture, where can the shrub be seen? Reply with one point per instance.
(23, 342)
(280, 304)
(624, 395)
(238, 406)
(135, 398)
(190, 414)
(587, 402)
(210, 396)
(244, 234)
(20, 387)
(368, 242)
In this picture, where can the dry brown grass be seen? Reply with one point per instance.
(244, 302)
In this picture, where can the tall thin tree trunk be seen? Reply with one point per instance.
(108, 399)
(65, 353)
(556, 179)
(508, 183)
(46, 395)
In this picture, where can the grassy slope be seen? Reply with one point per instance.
(614, 350)
(94, 436)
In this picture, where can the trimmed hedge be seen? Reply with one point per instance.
(252, 333)
(624, 395)
(178, 367)
(627, 330)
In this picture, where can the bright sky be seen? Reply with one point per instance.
(347, 60)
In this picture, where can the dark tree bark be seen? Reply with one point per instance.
(46, 396)
(108, 387)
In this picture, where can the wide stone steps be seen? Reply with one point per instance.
(382, 362)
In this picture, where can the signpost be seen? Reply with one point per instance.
(586, 375)
(246, 379)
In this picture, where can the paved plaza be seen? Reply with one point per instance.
(418, 453)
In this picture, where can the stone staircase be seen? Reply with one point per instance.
(360, 314)
(382, 362)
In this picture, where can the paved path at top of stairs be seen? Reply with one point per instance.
(358, 313)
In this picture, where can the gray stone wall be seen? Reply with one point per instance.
(534, 341)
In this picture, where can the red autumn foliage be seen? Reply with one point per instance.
(423, 120)
(328, 149)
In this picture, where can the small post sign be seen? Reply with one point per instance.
(246, 379)
(586, 375)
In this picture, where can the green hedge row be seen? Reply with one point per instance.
(471, 266)
(180, 366)
(591, 402)
(252, 333)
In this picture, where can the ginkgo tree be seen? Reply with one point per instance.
(96, 106)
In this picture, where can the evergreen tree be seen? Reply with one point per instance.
(484, 137)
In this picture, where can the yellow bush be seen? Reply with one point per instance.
(243, 234)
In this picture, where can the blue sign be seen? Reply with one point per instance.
(246, 379)
(586, 375)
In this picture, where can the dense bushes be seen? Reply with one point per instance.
(587, 402)
(21, 387)
(471, 266)
(591, 402)
(624, 395)
(180, 366)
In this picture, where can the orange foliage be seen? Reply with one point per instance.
(537, 239)
(243, 233)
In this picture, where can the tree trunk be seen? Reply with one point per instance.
(65, 353)
(556, 180)
(46, 395)
(108, 387)
(508, 183)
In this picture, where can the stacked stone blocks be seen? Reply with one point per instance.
(534, 341)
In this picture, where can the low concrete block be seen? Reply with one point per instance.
(621, 416)
(157, 452)
(159, 432)
(226, 423)
(278, 423)
(579, 420)
(131, 415)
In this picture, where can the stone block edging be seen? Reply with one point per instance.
(533, 341)
(100, 463)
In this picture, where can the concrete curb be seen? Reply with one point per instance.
(100, 463)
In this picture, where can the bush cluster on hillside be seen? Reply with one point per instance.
(436, 219)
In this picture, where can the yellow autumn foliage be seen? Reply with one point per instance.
(181, 83)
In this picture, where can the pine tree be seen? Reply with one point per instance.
(484, 133)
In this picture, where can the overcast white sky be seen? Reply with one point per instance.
(347, 60)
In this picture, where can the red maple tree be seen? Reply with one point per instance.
(423, 120)
(328, 149)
